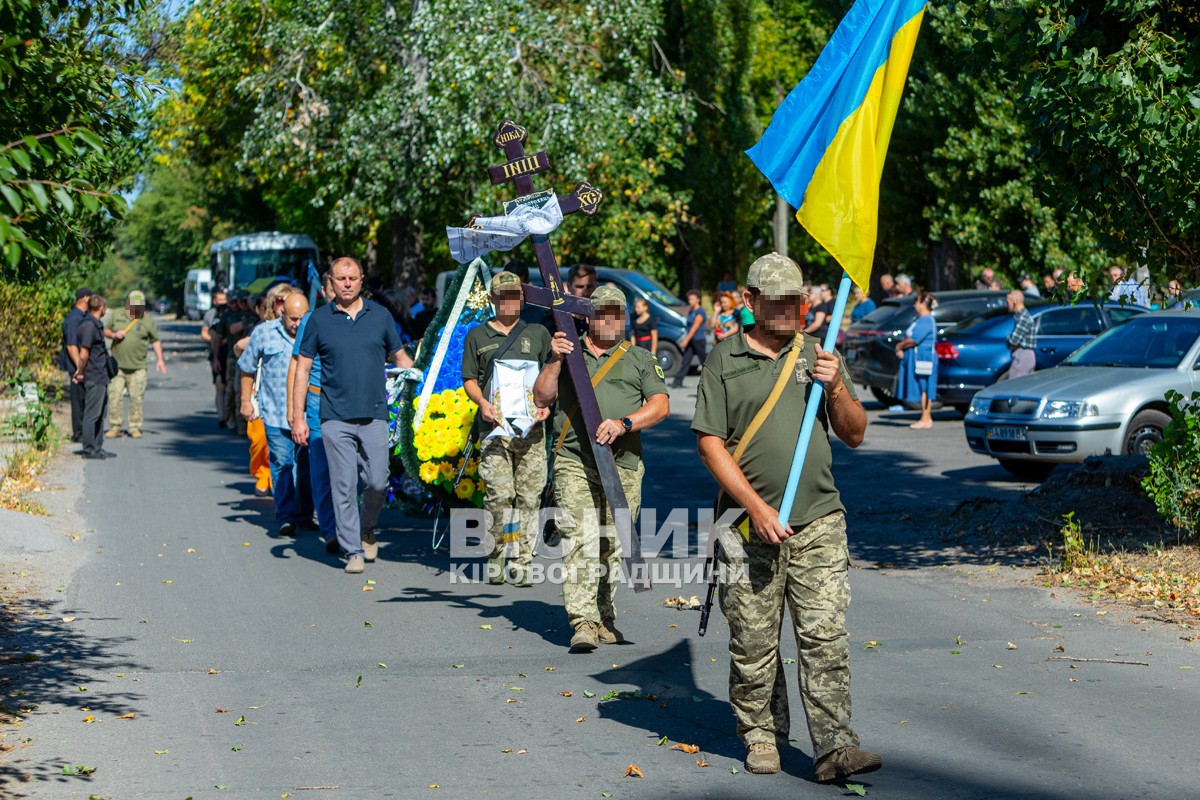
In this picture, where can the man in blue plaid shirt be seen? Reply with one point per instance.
(270, 350)
(1022, 340)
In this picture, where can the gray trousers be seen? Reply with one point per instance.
(95, 402)
(354, 448)
(1024, 362)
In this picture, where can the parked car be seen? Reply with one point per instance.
(975, 354)
(870, 343)
(1106, 397)
(162, 305)
(197, 293)
(668, 309)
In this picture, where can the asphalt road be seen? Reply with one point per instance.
(256, 668)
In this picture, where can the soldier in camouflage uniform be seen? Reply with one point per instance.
(632, 396)
(513, 467)
(803, 565)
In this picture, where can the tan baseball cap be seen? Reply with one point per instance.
(776, 275)
(505, 281)
(608, 295)
(137, 298)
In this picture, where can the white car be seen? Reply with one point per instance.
(1106, 397)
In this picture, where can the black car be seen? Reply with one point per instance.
(870, 343)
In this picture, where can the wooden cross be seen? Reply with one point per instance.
(511, 137)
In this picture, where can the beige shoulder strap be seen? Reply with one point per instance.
(622, 348)
(785, 375)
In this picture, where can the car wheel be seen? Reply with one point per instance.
(670, 358)
(1145, 431)
(882, 396)
(1027, 470)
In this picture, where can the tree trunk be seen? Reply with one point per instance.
(406, 240)
(945, 265)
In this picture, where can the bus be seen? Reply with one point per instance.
(253, 261)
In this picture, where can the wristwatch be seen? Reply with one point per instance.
(628, 423)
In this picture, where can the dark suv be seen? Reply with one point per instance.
(870, 344)
(665, 307)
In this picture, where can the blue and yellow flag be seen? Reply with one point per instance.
(826, 143)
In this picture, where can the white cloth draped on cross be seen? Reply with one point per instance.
(488, 234)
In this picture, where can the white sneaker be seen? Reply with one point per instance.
(355, 565)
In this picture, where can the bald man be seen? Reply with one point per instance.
(270, 350)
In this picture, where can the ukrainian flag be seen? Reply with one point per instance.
(826, 143)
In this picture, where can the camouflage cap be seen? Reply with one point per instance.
(608, 295)
(137, 298)
(776, 275)
(505, 280)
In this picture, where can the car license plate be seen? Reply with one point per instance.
(1010, 433)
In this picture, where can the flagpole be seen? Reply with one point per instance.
(814, 404)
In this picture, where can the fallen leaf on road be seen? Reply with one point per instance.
(586, 693)
(381, 665)
(245, 544)
(734, 770)
(370, 582)
(168, 581)
(871, 645)
(672, 625)
(509, 750)
(68, 619)
(687, 748)
(434, 786)
(236, 748)
(224, 710)
(367, 624)
(161, 752)
(358, 682)
(633, 772)
(702, 763)
(458, 666)
(522, 751)
(191, 549)
(581, 719)
(368, 588)
(566, 694)
(857, 788)
(240, 721)
(130, 715)
(549, 669)
(184, 641)
(89, 718)
(997, 666)
(1012, 646)
(1060, 649)
(213, 671)
(511, 700)
(662, 741)
(486, 627)
(221, 786)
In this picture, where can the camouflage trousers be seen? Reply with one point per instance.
(591, 557)
(514, 470)
(808, 572)
(133, 381)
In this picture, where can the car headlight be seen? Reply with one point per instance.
(979, 405)
(1068, 409)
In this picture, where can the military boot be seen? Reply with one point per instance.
(608, 633)
(844, 762)
(495, 569)
(585, 639)
(763, 758)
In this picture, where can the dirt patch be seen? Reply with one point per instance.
(1122, 549)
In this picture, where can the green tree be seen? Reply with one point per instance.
(72, 85)
(1111, 98)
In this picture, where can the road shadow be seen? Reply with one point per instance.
(46, 661)
(546, 620)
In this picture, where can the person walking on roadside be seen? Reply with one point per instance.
(130, 351)
(693, 343)
(497, 358)
(309, 398)
(354, 338)
(749, 408)
(68, 358)
(91, 371)
(1022, 341)
(917, 382)
(631, 397)
(266, 359)
(210, 317)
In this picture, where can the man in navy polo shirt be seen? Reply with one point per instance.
(354, 338)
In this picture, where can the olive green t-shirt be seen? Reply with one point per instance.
(130, 352)
(734, 384)
(634, 380)
(483, 342)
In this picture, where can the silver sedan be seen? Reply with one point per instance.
(1106, 397)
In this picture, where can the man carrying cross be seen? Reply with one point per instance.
(512, 462)
(632, 397)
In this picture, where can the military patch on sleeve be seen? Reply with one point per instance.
(658, 371)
